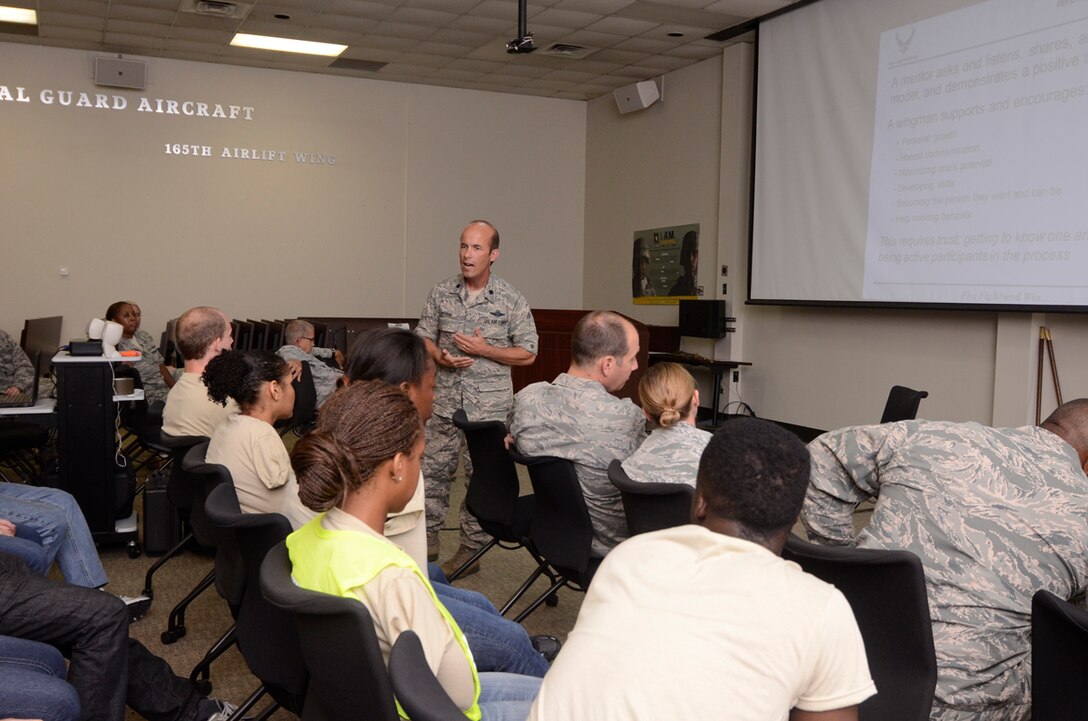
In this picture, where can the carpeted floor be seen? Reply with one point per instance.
(208, 618)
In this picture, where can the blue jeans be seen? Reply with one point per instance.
(506, 696)
(27, 545)
(107, 668)
(57, 519)
(497, 643)
(34, 685)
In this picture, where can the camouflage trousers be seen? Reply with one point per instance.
(445, 444)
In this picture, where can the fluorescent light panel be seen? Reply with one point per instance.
(286, 45)
(23, 16)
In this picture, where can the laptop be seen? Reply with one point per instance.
(24, 400)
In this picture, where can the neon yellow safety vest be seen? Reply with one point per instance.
(336, 562)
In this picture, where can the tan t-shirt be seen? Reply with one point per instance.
(259, 465)
(190, 412)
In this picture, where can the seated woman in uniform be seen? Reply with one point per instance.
(359, 465)
(671, 453)
(247, 443)
(156, 376)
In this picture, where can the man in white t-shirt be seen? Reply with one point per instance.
(706, 620)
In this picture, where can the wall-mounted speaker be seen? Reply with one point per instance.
(639, 96)
(119, 73)
(704, 319)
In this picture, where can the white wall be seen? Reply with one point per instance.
(94, 190)
(820, 367)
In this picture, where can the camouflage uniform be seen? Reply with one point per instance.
(995, 514)
(155, 388)
(669, 455)
(483, 389)
(577, 419)
(15, 368)
(324, 375)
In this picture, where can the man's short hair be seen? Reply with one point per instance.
(598, 334)
(197, 329)
(755, 473)
(494, 231)
(297, 329)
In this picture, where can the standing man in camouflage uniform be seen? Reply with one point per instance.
(995, 514)
(576, 417)
(16, 370)
(475, 325)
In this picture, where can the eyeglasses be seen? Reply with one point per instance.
(309, 339)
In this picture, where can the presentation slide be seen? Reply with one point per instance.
(954, 146)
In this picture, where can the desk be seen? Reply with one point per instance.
(718, 367)
(43, 406)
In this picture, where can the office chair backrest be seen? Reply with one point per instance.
(415, 686)
(266, 635)
(203, 477)
(887, 592)
(274, 339)
(179, 487)
(1059, 658)
(493, 493)
(651, 506)
(348, 679)
(305, 412)
(561, 529)
(902, 404)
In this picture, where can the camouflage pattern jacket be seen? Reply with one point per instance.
(995, 514)
(502, 314)
(15, 368)
(669, 455)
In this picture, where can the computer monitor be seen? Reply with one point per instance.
(42, 335)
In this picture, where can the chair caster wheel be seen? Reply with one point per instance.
(168, 637)
(203, 686)
(552, 600)
(134, 550)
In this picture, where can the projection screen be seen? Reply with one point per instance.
(922, 153)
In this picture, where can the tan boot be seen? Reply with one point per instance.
(459, 558)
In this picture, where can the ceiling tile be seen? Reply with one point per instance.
(114, 5)
(473, 23)
(339, 37)
(622, 26)
(63, 33)
(361, 9)
(450, 51)
(423, 16)
(693, 51)
(142, 14)
(747, 8)
(429, 60)
(345, 23)
(611, 81)
(454, 6)
(386, 42)
(566, 18)
(570, 76)
(69, 20)
(75, 7)
(463, 38)
(133, 41)
(612, 55)
(601, 7)
(402, 30)
(477, 66)
(643, 45)
(667, 62)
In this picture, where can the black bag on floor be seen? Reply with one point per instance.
(162, 526)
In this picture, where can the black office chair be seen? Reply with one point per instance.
(264, 633)
(887, 593)
(194, 483)
(902, 404)
(305, 411)
(561, 530)
(651, 506)
(21, 448)
(419, 692)
(348, 679)
(493, 495)
(180, 496)
(1059, 658)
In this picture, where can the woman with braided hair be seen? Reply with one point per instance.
(358, 465)
(671, 453)
(247, 443)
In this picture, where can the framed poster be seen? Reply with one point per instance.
(665, 265)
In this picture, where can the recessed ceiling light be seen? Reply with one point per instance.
(286, 45)
(282, 16)
(676, 35)
(23, 16)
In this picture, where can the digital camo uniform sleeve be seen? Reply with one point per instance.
(427, 327)
(846, 469)
(15, 368)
